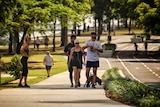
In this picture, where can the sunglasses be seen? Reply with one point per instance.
(93, 37)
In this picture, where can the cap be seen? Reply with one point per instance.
(76, 41)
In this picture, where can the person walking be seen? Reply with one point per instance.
(46, 40)
(76, 61)
(24, 60)
(38, 41)
(67, 50)
(93, 48)
(48, 62)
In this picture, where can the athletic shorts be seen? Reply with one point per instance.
(48, 67)
(93, 64)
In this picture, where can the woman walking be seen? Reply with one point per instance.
(76, 61)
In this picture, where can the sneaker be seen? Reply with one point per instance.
(76, 86)
(72, 85)
(79, 84)
(88, 85)
(27, 86)
(93, 86)
(20, 85)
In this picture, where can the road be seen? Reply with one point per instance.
(138, 66)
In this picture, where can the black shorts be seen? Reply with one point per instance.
(46, 44)
(93, 64)
(24, 66)
(48, 67)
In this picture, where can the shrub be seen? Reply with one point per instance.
(130, 91)
(108, 46)
(3, 66)
(15, 68)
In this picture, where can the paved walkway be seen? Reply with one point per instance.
(56, 92)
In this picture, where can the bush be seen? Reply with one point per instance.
(109, 46)
(3, 66)
(130, 91)
(15, 68)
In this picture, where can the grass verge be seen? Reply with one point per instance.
(37, 71)
(129, 91)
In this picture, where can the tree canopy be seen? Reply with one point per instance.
(22, 15)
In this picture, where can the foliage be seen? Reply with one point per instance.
(130, 91)
(15, 67)
(109, 46)
(144, 35)
(3, 66)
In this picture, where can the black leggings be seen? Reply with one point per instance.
(24, 66)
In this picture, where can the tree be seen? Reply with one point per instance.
(71, 12)
(23, 16)
(98, 8)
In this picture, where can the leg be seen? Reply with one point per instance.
(71, 75)
(24, 68)
(48, 68)
(76, 76)
(25, 73)
(20, 81)
(25, 80)
(87, 73)
(94, 77)
(48, 73)
(87, 76)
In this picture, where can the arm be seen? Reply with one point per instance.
(84, 56)
(99, 48)
(66, 51)
(70, 56)
(44, 61)
(52, 61)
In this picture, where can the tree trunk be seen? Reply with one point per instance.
(126, 24)
(84, 26)
(99, 29)
(34, 38)
(10, 50)
(54, 35)
(118, 24)
(75, 28)
(109, 32)
(64, 32)
(129, 28)
(95, 25)
(62, 36)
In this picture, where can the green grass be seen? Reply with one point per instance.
(5, 80)
(37, 70)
